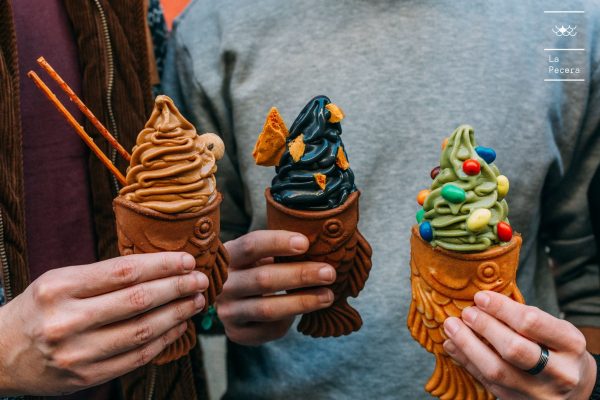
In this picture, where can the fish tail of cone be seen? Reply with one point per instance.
(217, 275)
(338, 320)
(449, 382)
(178, 348)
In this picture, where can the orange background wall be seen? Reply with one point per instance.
(172, 8)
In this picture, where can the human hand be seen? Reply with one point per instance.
(80, 326)
(514, 331)
(251, 311)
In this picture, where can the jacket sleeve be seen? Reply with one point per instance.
(566, 226)
(200, 86)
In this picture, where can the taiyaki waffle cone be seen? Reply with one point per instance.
(443, 284)
(334, 239)
(143, 230)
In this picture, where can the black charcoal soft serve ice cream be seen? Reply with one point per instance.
(313, 172)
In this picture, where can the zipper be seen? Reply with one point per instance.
(109, 88)
(4, 262)
(110, 62)
(152, 382)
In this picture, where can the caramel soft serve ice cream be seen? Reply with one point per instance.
(172, 168)
(171, 202)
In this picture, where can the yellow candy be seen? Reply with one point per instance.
(502, 186)
(479, 219)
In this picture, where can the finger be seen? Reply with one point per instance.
(480, 359)
(265, 261)
(254, 246)
(512, 347)
(273, 278)
(499, 391)
(274, 308)
(257, 333)
(530, 321)
(117, 273)
(134, 300)
(133, 359)
(124, 336)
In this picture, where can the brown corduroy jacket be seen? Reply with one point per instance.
(113, 54)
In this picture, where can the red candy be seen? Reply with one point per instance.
(505, 232)
(471, 167)
(435, 172)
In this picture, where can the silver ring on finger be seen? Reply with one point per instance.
(542, 362)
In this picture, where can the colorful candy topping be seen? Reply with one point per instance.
(425, 231)
(479, 219)
(420, 215)
(445, 143)
(503, 186)
(471, 167)
(466, 207)
(453, 194)
(422, 196)
(488, 154)
(505, 232)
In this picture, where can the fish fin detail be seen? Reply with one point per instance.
(218, 275)
(449, 381)
(337, 320)
(362, 265)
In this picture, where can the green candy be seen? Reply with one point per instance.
(453, 194)
(420, 215)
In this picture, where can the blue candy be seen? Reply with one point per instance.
(426, 231)
(487, 153)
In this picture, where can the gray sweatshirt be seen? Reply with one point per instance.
(406, 73)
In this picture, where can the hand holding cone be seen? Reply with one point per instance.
(314, 194)
(462, 245)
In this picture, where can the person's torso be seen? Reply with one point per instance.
(406, 74)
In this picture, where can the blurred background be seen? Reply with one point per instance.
(172, 8)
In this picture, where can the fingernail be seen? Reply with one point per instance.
(188, 262)
(298, 243)
(202, 280)
(199, 300)
(450, 347)
(469, 315)
(182, 327)
(326, 296)
(482, 299)
(326, 274)
(451, 326)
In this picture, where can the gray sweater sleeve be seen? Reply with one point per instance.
(566, 225)
(200, 88)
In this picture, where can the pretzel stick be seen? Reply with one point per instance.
(78, 128)
(86, 111)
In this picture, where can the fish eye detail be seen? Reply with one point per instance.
(333, 228)
(203, 228)
(488, 272)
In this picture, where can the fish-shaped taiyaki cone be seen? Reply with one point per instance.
(445, 282)
(171, 202)
(143, 230)
(334, 239)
